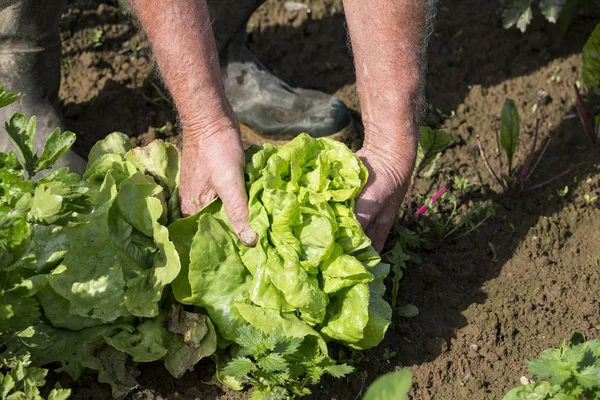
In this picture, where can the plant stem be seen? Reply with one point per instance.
(539, 185)
(584, 117)
(525, 168)
(498, 148)
(544, 148)
(487, 164)
(436, 196)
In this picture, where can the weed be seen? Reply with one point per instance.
(97, 36)
(508, 139)
(462, 185)
(563, 192)
(589, 200)
(555, 77)
(278, 366)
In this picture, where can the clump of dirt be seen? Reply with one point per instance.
(483, 312)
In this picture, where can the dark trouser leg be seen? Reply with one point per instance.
(229, 19)
(30, 56)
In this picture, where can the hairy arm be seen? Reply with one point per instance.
(389, 41)
(212, 162)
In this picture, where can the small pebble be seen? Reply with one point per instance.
(524, 380)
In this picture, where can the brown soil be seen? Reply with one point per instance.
(480, 316)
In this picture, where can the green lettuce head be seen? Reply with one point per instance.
(313, 270)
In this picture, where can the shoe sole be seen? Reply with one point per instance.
(250, 136)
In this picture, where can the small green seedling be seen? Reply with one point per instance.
(431, 145)
(97, 36)
(588, 200)
(454, 225)
(555, 77)
(512, 182)
(563, 192)
(462, 184)
(493, 250)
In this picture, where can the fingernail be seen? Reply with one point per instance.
(248, 237)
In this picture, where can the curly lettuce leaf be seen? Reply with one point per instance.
(312, 258)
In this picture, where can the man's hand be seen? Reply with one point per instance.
(212, 161)
(212, 165)
(389, 39)
(378, 204)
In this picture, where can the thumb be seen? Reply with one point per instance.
(235, 200)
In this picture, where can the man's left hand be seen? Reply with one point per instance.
(389, 177)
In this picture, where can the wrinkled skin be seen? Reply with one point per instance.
(378, 204)
(213, 166)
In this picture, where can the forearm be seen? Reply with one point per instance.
(184, 46)
(389, 43)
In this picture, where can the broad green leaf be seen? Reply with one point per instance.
(432, 143)
(73, 350)
(113, 369)
(238, 367)
(121, 258)
(339, 370)
(589, 377)
(591, 60)
(408, 311)
(56, 146)
(59, 394)
(108, 155)
(391, 386)
(349, 315)
(57, 310)
(47, 248)
(161, 160)
(509, 129)
(15, 236)
(45, 205)
(516, 13)
(552, 9)
(380, 312)
(7, 98)
(254, 341)
(272, 363)
(22, 132)
(216, 276)
(145, 344)
(535, 391)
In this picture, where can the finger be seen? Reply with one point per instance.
(365, 209)
(235, 201)
(379, 230)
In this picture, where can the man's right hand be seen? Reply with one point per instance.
(212, 165)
